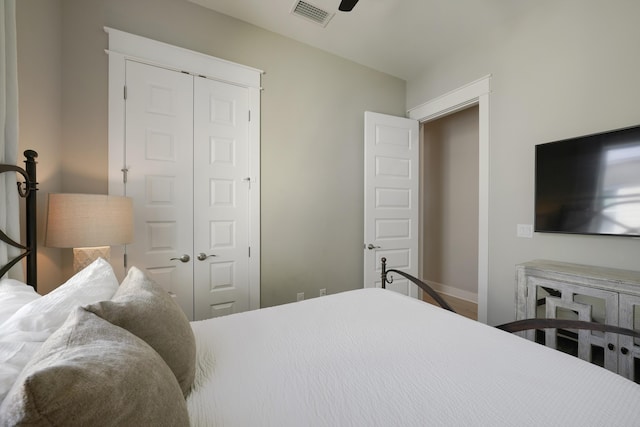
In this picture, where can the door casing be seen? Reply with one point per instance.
(474, 93)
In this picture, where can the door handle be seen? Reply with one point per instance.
(183, 258)
(371, 246)
(202, 256)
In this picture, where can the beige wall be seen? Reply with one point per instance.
(312, 129)
(40, 98)
(450, 202)
(568, 70)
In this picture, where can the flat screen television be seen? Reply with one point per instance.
(589, 184)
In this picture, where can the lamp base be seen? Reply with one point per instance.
(82, 257)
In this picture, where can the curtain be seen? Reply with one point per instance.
(9, 201)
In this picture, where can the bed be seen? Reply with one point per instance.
(99, 352)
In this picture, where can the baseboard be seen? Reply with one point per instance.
(454, 292)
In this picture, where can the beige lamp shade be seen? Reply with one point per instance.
(88, 220)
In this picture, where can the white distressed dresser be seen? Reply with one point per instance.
(554, 289)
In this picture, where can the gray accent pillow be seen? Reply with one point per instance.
(146, 310)
(90, 372)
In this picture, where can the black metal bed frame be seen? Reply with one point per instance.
(422, 285)
(26, 190)
(518, 325)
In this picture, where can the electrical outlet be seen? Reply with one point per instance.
(300, 296)
(323, 292)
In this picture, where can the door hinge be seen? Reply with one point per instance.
(249, 180)
(124, 259)
(125, 92)
(249, 115)
(249, 251)
(125, 171)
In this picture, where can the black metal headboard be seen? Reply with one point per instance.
(26, 190)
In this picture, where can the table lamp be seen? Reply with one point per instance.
(88, 223)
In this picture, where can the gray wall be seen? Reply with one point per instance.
(40, 109)
(450, 202)
(311, 136)
(568, 70)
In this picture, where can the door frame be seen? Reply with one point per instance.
(474, 93)
(125, 46)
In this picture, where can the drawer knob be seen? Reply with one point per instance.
(611, 346)
(624, 350)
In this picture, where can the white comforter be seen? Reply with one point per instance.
(376, 358)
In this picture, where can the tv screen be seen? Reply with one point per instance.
(589, 184)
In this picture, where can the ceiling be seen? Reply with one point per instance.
(398, 37)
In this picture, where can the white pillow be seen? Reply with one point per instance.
(13, 295)
(25, 331)
(14, 356)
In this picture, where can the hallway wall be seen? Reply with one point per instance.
(450, 202)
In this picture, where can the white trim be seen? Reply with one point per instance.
(454, 292)
(254, 199)
(474, 93)
(153, 52)
(116, 154)
(456, 100)
(123, 47)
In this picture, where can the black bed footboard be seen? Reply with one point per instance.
(26, 190)
(544, 323)
(422, 285)
(518, 325)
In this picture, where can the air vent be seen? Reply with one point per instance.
(312, 13)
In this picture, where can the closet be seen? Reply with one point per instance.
(184, 144)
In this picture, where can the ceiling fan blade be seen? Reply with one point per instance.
(347, 5)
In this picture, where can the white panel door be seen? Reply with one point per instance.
(158, 159)
(391, 169)
(221, 199)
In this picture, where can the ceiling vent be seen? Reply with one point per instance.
(312, 13)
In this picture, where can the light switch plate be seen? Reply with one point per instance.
(525, 230)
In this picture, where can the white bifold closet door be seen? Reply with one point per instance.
(187, 171)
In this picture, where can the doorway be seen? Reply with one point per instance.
(474, 93)
(449, 198)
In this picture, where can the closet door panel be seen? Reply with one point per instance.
(221, 198)
(159, 156)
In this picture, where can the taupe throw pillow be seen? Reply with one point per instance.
(146, 310)
(92, 373)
